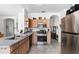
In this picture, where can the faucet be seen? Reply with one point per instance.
(14, 36)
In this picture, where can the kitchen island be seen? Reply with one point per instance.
(18, 45)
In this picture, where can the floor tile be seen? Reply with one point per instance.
(54, 48)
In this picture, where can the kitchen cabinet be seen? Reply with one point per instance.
(13, 48)
(40, 20)
(34, 38)
(49, 37)
(14, 52)
(47, 22)
(17, 45)
(33, 23)
(1, 35)
(21, 47)
(30, 41)
(44, 21)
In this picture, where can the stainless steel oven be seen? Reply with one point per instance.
(41, 36)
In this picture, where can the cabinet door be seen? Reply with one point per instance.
(30, 23)
(47, 22)
(24, 46)
(34, 38)
(49, 37)
(13, 47)
(40, 20)
(27, 46)
(34, 23)
(21, 46)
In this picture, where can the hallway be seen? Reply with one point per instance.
(54, 48)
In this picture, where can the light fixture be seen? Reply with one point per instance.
(43, 11)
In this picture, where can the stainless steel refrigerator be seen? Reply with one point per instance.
(70, 31)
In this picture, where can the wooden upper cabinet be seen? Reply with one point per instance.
(44, 21)
(40, 20)
(47, 22)
(33, 23)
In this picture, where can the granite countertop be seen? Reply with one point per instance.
(8, 42)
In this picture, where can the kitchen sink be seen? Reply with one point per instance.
(18, 36)
(12, 38)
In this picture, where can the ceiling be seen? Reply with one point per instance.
(14, 9)
(9, 9)
(47, 7)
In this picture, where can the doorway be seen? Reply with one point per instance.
(54, 20)
(9, 27)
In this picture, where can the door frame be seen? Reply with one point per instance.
(59, 32)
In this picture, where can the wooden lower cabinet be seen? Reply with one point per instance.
(34, 38)
(15, 52)
(21, 47)
(49, 37)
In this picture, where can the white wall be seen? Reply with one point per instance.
(62, 13)
(18, 19)
(10, 9)
(47, 15)
(21, 21)
(15, 11)
(22, 16)
(2, 23)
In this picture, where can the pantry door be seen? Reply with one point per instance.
(9, 27)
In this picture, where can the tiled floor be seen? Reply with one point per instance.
(54, 48)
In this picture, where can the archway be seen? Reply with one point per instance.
(55, 27)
